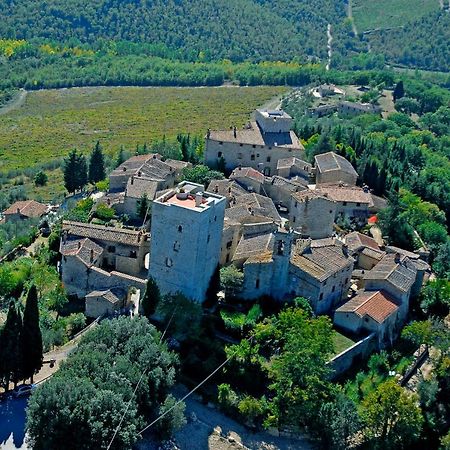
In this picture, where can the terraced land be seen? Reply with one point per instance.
(49, 123)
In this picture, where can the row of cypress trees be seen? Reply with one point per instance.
(21, 350)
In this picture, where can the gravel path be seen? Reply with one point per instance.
(15, 103)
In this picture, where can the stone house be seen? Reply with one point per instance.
(259, 145)
(294, 167)
(280, 189)
(371, 312)
(186, 226)
(105, 303)
(332, 168)
(312, 214)
(249, 178)
(353, 109)
(97, 257)
(353, 202)
(396, 275)
(364, 249)
(27, 209)
(229, 189)
(320, 271)
(253, 205)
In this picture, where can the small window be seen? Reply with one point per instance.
(240, 145)
(229, 244)
(333, 289)
(219, 154)
(331, 211)
(112, 249)
(133, 254)
(209, 238)
(296, 204)
(325, 283)
(321, 296)
(252, 157)
(215, 218)
(358, 204)
(254, 146)
(227, 259)
(176, 246)
(257, 283)
(169, 262)
(346, 280)
(257, 155)
(270, 148)
(268, 159)
(220, 143)
(180, 229)
(344, 203)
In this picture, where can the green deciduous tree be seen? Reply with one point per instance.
(87, 398)
(143, 205)
(41, 178)
(96, 164)
(231, 280)
(201, 174)
(392, 417)
(435, 298)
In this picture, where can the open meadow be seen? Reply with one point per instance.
(49, 123)
(369, 14)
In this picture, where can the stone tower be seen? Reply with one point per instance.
(281, 257)
(186, 234)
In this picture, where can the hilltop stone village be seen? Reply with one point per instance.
(275, 218)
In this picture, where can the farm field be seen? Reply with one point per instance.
(369, 14)
(50, 123)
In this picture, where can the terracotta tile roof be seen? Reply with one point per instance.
(328, 162)
(113, 296)
(227, 188)
(343, 193)
(133, 164)
(254, 136)
(84, 249)
(258, 205)
(138, 186)
(102, 233)
(291, 185)
(401, 274)
(377, 304)
(357, 241)
(27, 208)
(253, 246)
(247, 172)
(320, 261)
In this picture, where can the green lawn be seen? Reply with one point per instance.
(341, 342)
(52, 122)
(370, 14)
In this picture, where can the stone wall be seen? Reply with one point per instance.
(336, 176)
(359, 351)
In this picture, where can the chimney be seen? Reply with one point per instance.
(208, 133)
(229, 189)
(216, 189)
(397, 258)
(198, 199)
(139, 236)
(366, 189)
(18, 210)
(345, 250)
(92, 255)
(235, 132)
(132, 180)
(79, 245)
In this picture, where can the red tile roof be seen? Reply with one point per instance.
(27, 208)
(376, 304)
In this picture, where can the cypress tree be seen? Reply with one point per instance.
(399, 91)
(11, 364)
(31, 338)
(151, 298)
(96, 164)
(120, 156)
(75, 171)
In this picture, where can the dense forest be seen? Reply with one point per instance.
(212, 30)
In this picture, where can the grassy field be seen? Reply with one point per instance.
(341, 342)
(50, 123)
(370, 14)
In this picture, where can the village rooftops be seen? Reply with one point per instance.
(191, 196)
(102, 233)
(113, 296)
(247, 172)
(327, 162)
(258, 205)
(344, 193)
(27, 208)
(85, 250)
(227, 188)
(320, 260)
(134, 163)
(253, 246)
(287, 163)
(357, 241)
(377, 305)
(396, 269)
(308, 195)
(253, 135)
(138, 186)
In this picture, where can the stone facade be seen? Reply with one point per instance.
(332, 168)
(187, 228)
(312, 214)
(259, 145)
(105, 303)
